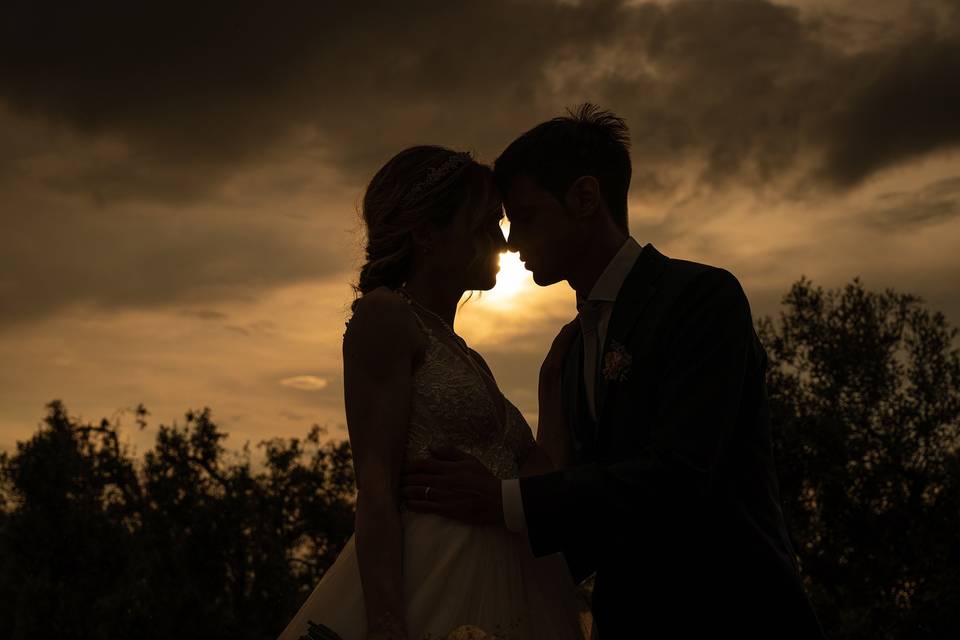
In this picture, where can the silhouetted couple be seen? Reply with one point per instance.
(652, 466)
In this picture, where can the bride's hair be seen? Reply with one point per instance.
(423, 184)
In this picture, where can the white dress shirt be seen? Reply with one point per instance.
(604, 294)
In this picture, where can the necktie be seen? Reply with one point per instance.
(589, 323)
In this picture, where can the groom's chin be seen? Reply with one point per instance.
(544, 279)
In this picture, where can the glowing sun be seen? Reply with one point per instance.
(513, 277)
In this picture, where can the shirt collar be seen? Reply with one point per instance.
(607, 286)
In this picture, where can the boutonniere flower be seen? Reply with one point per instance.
(616, 362)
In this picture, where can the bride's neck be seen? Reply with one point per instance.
(435, 296)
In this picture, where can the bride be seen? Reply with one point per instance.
(412, 384)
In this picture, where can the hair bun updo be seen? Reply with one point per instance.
(422, 184)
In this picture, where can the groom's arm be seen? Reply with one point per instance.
(552, 448)
(579, 558)
(699, 399)
(536, 462)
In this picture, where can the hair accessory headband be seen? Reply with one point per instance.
(436, 175)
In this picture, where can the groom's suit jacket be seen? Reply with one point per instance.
(673, 498)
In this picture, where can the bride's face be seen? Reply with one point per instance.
(470, 247)
(489, 243)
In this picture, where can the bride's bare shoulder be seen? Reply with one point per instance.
(382, 323)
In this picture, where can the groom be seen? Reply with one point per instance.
(671, 496)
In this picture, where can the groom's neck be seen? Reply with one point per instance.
(594, 259)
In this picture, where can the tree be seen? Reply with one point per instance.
(865, 401)
(186, 544)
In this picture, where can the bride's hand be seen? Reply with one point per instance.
(553, 363)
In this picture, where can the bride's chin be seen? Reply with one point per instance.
(486, 285)
(482, 281)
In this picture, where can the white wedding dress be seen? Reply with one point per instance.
(456, 574)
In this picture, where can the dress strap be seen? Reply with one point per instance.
(406, 298)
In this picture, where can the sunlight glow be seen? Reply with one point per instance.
(513, 279)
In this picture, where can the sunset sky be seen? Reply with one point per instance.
(179, 185)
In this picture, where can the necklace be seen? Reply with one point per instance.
(463, 347)
(439, 319)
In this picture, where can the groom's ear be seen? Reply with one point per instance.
(583, 196)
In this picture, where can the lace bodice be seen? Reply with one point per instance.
(453, 406)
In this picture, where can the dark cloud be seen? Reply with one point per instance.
(214, 84)
(934, 203)
(757, 91)
(906, 105)
(122, 125)
(750, 85)
(54, 256)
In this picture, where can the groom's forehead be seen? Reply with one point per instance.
(524, 194)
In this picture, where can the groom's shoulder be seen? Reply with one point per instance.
(696, 280)
(688, 273)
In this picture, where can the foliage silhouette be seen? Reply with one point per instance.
(865, 401)
(186, 544)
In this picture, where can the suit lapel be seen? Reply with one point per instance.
(633, 297)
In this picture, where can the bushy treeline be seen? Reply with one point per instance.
(189, 542)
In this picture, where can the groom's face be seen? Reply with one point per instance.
(542, 230)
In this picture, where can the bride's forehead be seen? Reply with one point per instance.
(488, 210)
(472, 219)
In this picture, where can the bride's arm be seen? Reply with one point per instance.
(379, 348)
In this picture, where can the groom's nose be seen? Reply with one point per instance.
(501, 244)
(511, 242)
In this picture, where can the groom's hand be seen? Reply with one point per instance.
(553, 362)
(460, 487)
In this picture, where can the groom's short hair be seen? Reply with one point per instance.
(589, 141)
